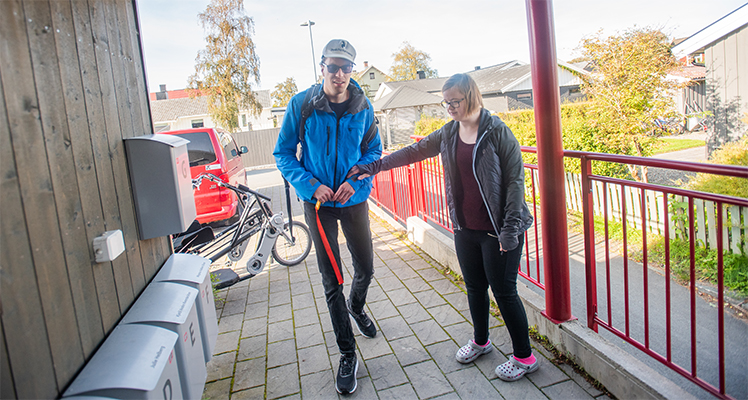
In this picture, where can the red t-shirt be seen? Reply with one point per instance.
(471, 210)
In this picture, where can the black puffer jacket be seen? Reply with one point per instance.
(497, 166)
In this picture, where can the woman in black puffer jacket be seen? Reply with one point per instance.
(484, 180)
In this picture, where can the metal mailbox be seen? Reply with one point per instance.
(172, 306)
(161, 183)
(194, 271)
(134, 362)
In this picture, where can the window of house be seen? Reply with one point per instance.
(371, 75)
(524, 95)
(244, 119)
(197, 123)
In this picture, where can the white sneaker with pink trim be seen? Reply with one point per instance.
(469, 352)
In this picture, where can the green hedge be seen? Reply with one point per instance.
(578, 134)
(577, 130)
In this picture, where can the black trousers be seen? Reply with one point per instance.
(354, 221)
(484, 265)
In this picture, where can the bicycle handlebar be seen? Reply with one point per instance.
(238, 189)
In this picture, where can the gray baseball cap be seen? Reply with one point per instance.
(339, 48)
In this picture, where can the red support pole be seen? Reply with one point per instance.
(550, 159)
(589, 243)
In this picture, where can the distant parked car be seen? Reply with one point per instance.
(214, 151)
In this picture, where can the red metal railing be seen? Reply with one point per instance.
(643, 339)
(418, 190)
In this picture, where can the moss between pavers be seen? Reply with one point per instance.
(561, 358)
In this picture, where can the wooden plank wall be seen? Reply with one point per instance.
(72, 87)
(260, 144)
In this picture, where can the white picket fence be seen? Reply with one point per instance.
(734, 223)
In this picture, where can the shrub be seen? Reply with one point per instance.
(578, 134)
(735, 153)
(427, 124)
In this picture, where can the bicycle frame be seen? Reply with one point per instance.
(256, 216)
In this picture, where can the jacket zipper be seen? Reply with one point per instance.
(327, 148)
(335, 171)
(480, 188)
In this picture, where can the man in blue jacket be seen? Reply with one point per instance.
(331, 123)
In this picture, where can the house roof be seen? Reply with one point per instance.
(509, 76)
(430, 85)
(499, 79)
(691, 72)
(718, 29)
(173, 108)
(405, 96)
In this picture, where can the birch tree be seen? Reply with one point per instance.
(228, 65)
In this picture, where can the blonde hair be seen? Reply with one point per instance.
(467, 86)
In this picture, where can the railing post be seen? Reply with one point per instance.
(421, 191)
(411, 191)
(590, 265)
(550, 159)
(393, 191)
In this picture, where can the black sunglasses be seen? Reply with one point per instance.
(333, 69)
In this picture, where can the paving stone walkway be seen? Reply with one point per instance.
(276, 340)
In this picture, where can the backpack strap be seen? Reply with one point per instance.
(306, 109)
(369, 136)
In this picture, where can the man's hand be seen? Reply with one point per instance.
(344, 193)
(353, 171)
(325, 194)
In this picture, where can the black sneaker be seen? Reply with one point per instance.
(364, 324)
(346, 381)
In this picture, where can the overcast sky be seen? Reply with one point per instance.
(458, 35)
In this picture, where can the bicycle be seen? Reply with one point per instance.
(288, 241)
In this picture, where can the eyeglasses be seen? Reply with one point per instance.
(333, 69)
(454, 103)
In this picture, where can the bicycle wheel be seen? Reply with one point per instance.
(287, 253)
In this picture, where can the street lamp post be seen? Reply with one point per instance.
(314, 63)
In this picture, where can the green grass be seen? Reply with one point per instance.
(705, 265)
(668, 145)
(735, 265)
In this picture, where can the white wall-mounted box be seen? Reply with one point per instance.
(194, 271)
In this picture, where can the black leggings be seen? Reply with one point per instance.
(483, 264)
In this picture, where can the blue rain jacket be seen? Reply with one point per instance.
(330, 147)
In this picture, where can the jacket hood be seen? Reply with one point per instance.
(358, 99)
(487, 122)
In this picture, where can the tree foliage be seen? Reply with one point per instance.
(283, 92)
(227, 66)
(408, 61)
(629, 90)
